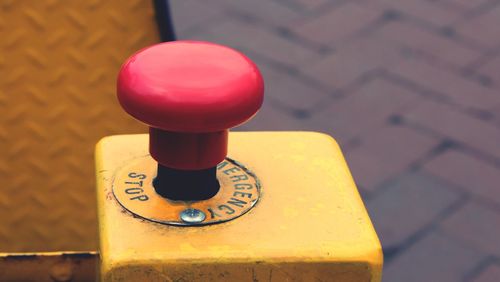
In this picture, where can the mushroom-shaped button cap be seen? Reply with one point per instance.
(190, 93)
(189, 86)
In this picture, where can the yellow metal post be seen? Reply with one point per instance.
(309, 224)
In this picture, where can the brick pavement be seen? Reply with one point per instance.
(410, 89)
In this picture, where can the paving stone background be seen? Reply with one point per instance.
(410, 89)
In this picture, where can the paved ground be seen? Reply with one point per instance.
(410, 88)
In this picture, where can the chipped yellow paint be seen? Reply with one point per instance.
(328, 237)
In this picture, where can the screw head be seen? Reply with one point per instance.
(192, 216)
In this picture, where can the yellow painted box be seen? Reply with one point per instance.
(310, 223)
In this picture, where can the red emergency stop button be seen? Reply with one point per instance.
(190, 93)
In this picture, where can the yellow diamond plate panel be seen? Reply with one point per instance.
(58, 65)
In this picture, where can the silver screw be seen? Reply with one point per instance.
(192, 216)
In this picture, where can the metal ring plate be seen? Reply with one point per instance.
(133, 189)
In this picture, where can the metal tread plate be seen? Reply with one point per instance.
(59, 61)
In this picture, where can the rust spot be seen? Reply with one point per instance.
(62, 271)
